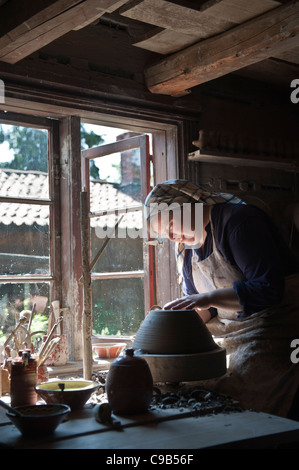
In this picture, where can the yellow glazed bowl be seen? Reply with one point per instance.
(73, 393)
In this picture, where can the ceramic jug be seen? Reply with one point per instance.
(23, 379)
(129, 384)
(60, 355)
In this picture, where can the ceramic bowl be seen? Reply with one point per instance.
(108, 350)
(173, 332)
(73, 393)
(39, 419)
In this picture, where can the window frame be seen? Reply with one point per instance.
(53, 202)
(67, 111)
(141, 142)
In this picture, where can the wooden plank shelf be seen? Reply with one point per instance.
(209, 156)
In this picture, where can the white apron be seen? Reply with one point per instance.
(260, 373)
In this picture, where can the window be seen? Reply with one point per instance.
(28, 195)
(40, 250)
(121, 286)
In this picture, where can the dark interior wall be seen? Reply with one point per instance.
(234, 107)
(256, 120)
(247, 105)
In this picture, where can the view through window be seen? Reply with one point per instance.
(24, 226)
(118, 180)
(117, 187)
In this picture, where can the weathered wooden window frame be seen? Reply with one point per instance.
(138, 142)
(53, 202)
(165, 150)
(65, 117)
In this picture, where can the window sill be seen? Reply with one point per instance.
(75, 368)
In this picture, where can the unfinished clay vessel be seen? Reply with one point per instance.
(129, 384)
(173, 332)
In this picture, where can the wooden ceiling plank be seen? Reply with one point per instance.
(207, 21)
(238, 11)
(114, 6)
(165, 41)
(25, 18)
(43, 29)
(34, 26)
(27, 31)
(272, 71)
(246, 44)
(168, 15)
(290, 55)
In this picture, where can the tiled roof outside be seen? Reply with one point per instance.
(23, 184)
(105, 196)
(17, 183)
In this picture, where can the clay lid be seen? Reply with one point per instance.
(173, 332)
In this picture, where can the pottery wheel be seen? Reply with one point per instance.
(187, 367)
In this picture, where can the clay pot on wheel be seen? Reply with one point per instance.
(173, 332)
(129, 384)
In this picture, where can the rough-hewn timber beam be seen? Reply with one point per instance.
(51, 21)
(251, 42)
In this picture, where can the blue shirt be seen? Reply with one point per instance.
(247, 238)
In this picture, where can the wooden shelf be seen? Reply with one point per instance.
(208, 156)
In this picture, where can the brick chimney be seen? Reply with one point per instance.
(130, 162)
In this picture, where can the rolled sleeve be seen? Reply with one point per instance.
(255, 296)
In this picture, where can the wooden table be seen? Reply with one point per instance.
(160, 429)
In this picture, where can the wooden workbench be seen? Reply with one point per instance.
(173, 430)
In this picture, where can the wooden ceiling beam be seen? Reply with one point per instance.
(246, 44)
(36, 29)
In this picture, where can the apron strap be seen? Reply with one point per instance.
(215, 249)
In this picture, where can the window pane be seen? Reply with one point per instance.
(121, 185)
(24, 239)
(118, 306)
(23, 162)
(122, 169)
(124, 251)
(98, 135)
(17, 297)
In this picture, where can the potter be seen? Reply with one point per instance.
(242, 279)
